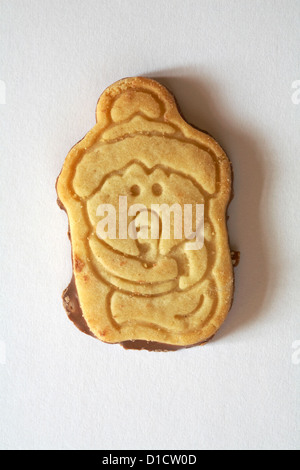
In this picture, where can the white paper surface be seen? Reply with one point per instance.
(232, 65)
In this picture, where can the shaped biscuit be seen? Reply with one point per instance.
(155, 290)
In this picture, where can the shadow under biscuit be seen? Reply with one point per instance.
(203, 106)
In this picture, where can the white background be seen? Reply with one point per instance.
(231, 65)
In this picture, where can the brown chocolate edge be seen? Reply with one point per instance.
(70, 296)
(72, 306)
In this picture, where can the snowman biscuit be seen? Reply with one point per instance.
(146, 196)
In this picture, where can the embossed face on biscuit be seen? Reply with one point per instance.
(144, 173)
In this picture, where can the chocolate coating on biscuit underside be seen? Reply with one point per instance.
(74, 311)
(72, 306)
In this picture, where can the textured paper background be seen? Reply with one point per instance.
(231, 65)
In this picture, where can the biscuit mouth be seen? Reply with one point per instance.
(132, 268)
(179, 271)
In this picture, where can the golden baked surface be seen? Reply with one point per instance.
(155, 289)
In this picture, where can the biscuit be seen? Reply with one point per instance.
(136, 280)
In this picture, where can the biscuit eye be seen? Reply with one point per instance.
(157, 189)
(135, 190)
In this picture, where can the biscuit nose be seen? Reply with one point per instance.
(147, 225)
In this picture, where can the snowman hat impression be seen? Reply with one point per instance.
(127, 115)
